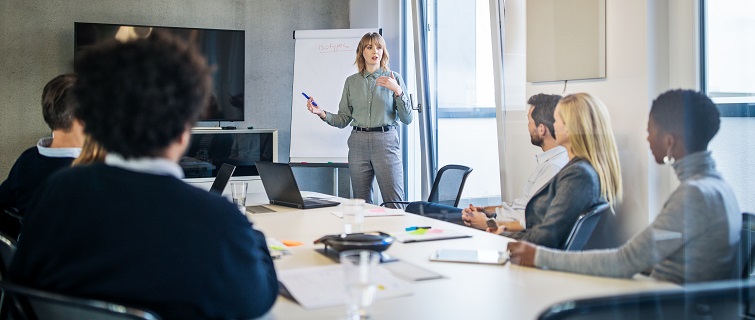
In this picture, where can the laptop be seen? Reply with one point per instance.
(221, 180)
(281, 188)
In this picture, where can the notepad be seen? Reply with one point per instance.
(432, 234)
(323, 286)
(377, 212)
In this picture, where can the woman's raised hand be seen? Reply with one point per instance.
(390, 83)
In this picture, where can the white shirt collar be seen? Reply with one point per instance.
(157, 166)
(43, 146)
(550, 154)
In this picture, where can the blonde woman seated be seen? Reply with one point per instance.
(696, 235)
(591, 176)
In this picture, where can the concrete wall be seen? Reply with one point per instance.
(37, 44)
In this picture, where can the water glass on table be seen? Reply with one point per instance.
(359, 267)
(353, 215)
(238, 192)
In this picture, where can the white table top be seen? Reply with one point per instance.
(469, 291)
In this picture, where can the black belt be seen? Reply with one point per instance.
(374, 129)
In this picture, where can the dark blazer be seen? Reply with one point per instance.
(144, 240)
(553, 210)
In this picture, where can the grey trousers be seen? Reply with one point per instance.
(376, 154)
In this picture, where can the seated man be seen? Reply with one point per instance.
(36, 164)
(553, 158)
(129, 230)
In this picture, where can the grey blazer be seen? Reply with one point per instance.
(553, 210)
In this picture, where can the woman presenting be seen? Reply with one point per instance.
(373, 101)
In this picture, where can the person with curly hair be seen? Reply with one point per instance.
(129, 230)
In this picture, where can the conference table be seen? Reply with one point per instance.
(467, 291)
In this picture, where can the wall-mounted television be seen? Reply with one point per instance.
(224, 50)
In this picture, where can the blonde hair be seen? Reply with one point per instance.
(591, 138)
(375, 39)
(91, 152)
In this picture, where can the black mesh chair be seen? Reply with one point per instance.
(27, 303)
(10, 222)
(7, 249)
(595, 229)
(447, 187)
(747, 244)
(709, 300)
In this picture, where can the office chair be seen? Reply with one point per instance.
(11, 222)
(708, 300)
(447, 187)
(747, 244)
(28, 303)
(594, 229)
(7, 249)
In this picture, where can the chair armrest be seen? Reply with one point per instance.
(13, 212)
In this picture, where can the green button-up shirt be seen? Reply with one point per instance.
(370, 105)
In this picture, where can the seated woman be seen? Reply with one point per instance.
(591, 177)
(695, 237)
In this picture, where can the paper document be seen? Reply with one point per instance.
(431, 234)
(323, 286)
(377, 212)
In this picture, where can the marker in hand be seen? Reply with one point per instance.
(306, 96)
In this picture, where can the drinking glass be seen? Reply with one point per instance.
(359, 272)
(353, 215)
(238, 192)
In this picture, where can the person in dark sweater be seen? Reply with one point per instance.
(129, 230)
(50, 154)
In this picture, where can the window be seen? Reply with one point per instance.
(728, 77)
(460, 70)
(730, 62)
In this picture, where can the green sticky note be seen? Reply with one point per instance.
(418, 232)
(278, 248)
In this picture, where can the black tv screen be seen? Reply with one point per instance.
(224, 50)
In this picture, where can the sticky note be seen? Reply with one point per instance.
(290, 243)
(434, 231)
(277, 248)
(419, 231)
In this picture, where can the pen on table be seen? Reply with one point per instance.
(306, 96)
(412, 228)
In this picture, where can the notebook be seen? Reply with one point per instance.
(281, 188)
(221, 180)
